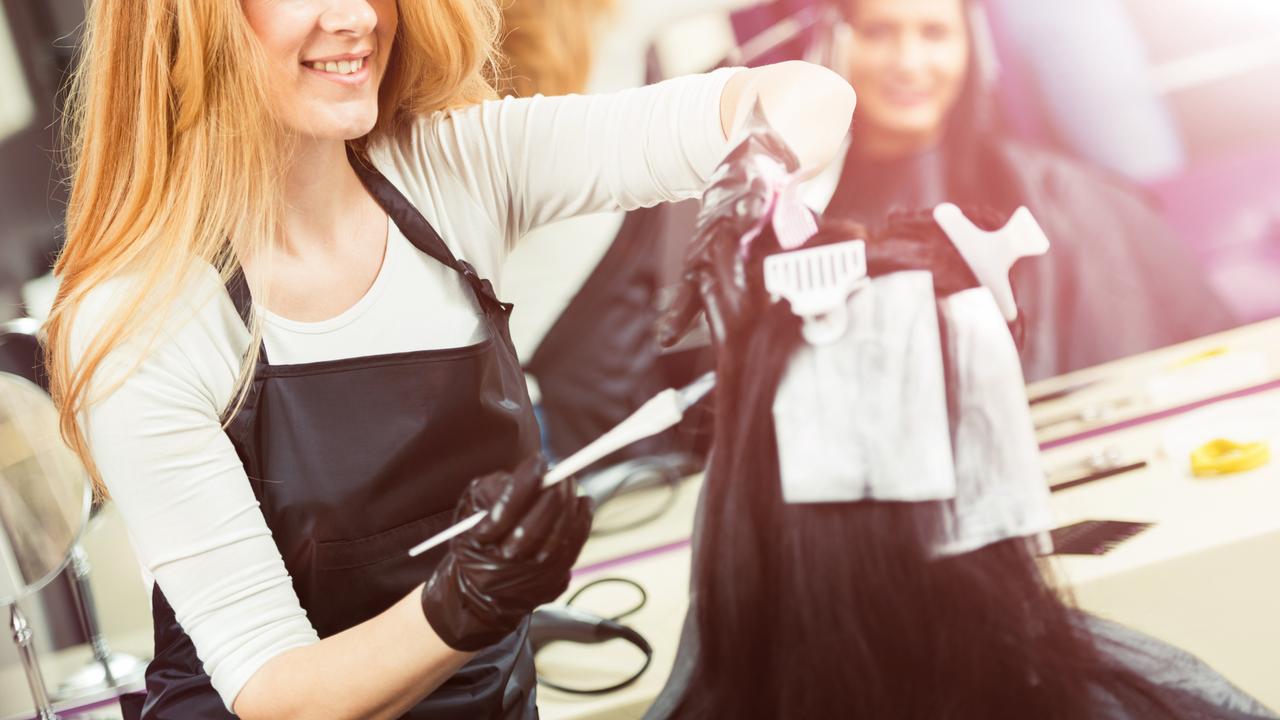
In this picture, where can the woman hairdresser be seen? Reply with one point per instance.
(276, 346)
(1117, 281)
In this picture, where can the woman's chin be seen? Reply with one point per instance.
(338, 126)
(356, 128)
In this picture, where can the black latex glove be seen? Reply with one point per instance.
(516, 559)
(736, 207)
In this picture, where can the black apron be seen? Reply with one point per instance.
(354, 461)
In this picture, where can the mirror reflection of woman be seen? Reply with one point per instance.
(279, 345)
(1118, 280)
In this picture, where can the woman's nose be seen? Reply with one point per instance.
(910, 53)
(349, 17)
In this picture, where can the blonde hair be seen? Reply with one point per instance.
(176, 159)
(548, 45)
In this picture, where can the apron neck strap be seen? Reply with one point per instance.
(415, 228)
(419, 231)
(406, 217)
(238, 289)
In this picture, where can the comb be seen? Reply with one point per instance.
(1094, 537)
(818, 282)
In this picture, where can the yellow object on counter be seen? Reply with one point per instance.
(1199, 357)
(1223, 457)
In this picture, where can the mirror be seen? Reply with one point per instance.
(44, 491)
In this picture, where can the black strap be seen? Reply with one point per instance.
(414, 226)
(420, 232)
(238, 289)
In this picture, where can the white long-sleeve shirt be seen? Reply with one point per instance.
(483, 176)
(542, 278)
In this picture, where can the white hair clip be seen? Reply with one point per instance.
(817, 282)
(991, 254)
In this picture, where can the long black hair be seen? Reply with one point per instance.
(841, 609)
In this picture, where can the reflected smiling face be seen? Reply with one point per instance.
(908, 62)
(326, 61)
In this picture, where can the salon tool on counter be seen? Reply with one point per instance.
(1105, 463)
(1225, 457)
(662, 411)
(1097, 475)
(1224, 440)
(1209, 373)
(1094, 537)
(1095, 412)
(567, 623)
(1063, 393)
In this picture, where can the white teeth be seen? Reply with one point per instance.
(341, 67)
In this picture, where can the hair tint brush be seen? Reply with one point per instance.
(662, 411)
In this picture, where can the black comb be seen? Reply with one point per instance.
(1094, 537)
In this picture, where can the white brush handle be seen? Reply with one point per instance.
(447, 534)
(659, 413)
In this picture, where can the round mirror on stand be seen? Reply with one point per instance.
(20, 354)
(45, 498)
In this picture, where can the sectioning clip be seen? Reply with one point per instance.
(991, 254)
(818, 282)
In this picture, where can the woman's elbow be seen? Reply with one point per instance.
(252, 706)
(811, 106)
(263, 697)
(248, 705)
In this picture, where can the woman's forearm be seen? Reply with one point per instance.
(378, 669)
(810, 106)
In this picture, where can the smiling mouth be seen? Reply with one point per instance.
(899, 96)
(338, 67)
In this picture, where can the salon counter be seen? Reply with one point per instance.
(1162, 383)
(1204, 577)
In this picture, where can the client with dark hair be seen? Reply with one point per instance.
(852, 609)
(1119, 280)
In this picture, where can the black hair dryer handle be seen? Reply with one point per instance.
(551, 624)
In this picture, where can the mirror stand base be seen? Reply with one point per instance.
(22, 637)
(117, 670)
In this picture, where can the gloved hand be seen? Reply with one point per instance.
(516, 559)
(736, 208)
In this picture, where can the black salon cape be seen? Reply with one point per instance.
(1116, 281)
